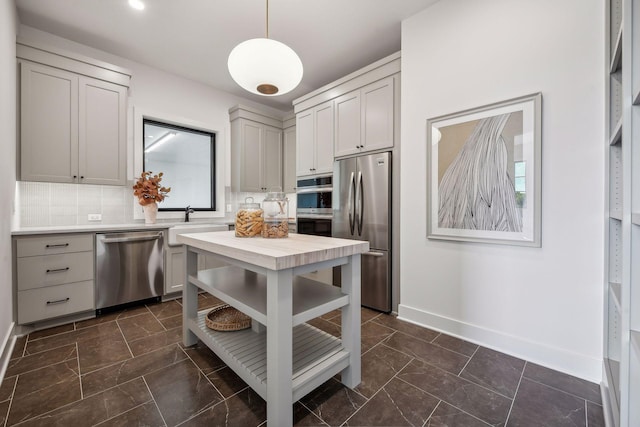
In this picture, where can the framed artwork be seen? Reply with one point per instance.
(484, 173)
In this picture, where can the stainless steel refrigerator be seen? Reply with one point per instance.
(362, 211)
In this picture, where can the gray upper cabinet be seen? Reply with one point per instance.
(355, 114)
(48, 124)
(272, 158)
(72, 124)
(364, 119)
(103, 132)
(314, 147)
(256, 151)
(377, 106)
(348, 125)
(289, 156)
(305, 152)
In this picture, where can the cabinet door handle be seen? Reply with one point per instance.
(59, 245)
(57, 270)
(59, 301)
(75, 176)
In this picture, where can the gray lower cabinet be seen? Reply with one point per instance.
(72, 127)
(54, 276)
(174, 269)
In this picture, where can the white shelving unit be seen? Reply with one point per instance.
(622, 255)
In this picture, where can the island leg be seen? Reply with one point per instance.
(351, 320)
(189, 298)
(279, 348)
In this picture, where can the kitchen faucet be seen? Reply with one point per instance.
(187, 211)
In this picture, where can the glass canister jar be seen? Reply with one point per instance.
(249, 219)
(276, 215)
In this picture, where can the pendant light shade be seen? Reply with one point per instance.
(264, 66)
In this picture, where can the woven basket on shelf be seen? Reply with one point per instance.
(226, 318)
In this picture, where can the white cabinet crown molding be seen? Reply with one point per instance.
(244, 112)
(80, 64)
(378, 70)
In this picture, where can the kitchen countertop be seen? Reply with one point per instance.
(275, 254)
(91, 228)
(98, 228)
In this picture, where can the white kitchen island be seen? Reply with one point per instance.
(289, 358)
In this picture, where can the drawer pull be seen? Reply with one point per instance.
(59, 301)
(57, 270)
(60, 245)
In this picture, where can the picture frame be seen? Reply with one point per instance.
(484, 173)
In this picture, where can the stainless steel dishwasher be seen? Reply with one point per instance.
(129, 267)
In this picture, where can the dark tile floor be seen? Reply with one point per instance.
(130, 369)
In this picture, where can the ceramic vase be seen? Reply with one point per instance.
(150, 213)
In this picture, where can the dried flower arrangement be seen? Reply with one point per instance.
(148, 189)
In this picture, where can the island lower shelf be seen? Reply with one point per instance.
(247, 291)
(317, 355)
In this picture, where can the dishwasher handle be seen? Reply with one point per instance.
(131, 239)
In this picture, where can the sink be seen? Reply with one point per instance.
(192, 228)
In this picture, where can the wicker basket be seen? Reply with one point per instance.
(226, 318)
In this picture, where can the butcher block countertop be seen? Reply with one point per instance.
(275, 254)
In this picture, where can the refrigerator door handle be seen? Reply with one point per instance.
(360, 201)
(352, 203)
(371, 253)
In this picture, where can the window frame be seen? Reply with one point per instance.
(213, 166)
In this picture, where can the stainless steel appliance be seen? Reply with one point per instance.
(129, 267)
(362, 211)
(313, 207)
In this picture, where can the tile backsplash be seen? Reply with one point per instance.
(42, 204)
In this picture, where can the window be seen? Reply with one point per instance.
(186, 157)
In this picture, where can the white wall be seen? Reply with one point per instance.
(8, 28)
(164, 96)
(541, 304)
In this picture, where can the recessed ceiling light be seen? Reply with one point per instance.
(136, 4)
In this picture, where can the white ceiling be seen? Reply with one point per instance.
(193, 38)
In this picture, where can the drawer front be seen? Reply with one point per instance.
(54, 244)
(54, 301)
(40, 271)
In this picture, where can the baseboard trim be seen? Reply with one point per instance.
(8, 343)
(559, 359)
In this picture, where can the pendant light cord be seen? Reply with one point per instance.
(267, 19)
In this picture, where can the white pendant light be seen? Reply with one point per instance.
(264, 66)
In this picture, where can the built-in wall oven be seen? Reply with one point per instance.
(313, 199)
(314, 214)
